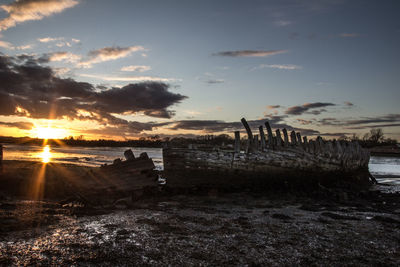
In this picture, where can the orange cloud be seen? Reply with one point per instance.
(25, 10)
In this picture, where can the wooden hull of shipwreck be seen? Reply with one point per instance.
(268, 162)
(128, 178)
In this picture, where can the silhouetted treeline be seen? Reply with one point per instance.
(374, 138)
(143, 142)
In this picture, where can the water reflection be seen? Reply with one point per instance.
(46, 154)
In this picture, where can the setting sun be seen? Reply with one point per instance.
(49, 133)
(46, 154)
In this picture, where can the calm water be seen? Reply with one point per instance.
(388, 168)
(86, 156)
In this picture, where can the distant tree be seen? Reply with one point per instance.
(354, 137)
(376, 135)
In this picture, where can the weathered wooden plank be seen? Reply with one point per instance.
(256, 142)
(237, 141)
(299, 141)
(279, 140)
(270, 136)
(285, 136)
(249, 135)
(262, 138)
(293, 138)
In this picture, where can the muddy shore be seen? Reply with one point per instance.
(206, 228)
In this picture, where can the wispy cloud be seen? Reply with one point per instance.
(10, 46)
(50, 39)
(19, 124)
(62, 56)
(280, 66)
(109, 53)
(24, 47)
(282, 23)
(215, 81)
(250, 53)
(388, 120)
(298, 110)
(138, 68)
(26, 10)
(348, 104)
(349, 35)
(6, 45)
(129, 78)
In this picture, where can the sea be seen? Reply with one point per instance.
(386, 169)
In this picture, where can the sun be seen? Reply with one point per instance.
(49, 132)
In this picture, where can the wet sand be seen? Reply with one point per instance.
(204, 230)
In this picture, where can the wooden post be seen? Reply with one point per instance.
(299, 141)
(305, 140)
(270, 136)
(237, 142)
(262, 137)
(249, 135)
(319, 145)
(256, 142)
(293, 138)
(278, 137)
(129, 155)
(305, 143)
(285, 136)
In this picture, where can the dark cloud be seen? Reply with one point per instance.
(19, 124)
(298, 110)
(374, 126)
(211, 126)
(389, 120)
(250, 53)
(28, 87)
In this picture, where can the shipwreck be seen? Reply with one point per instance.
(266, 160)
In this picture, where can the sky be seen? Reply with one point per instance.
(129, 69)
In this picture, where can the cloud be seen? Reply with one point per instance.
(128, 78)
(215, 81)
(50, 39)
(139, 68)
(280, 66)
(24, 47)
(62, 56)
(348, 104)
(26, 10)
(282, 23)
(6, 45)
(19, 124)
(210, 126)
(349, 35)
(109, 53)
(250, 53)
(298, 110)
(26, 85)
(273, 106)
(388, 120)
(10, 46)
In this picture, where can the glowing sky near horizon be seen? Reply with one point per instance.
(126, 69)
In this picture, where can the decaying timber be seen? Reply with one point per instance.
(269, 158)
(120, 179)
